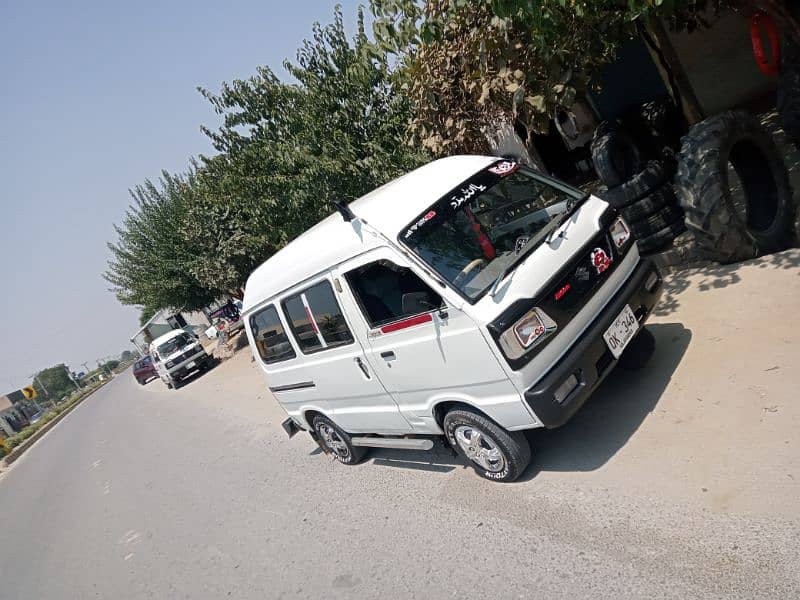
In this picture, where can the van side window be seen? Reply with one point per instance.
(271, 341)
(316, 320)
(387, 292)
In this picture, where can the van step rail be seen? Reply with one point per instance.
(390, 442)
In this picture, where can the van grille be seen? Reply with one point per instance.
(568, 291)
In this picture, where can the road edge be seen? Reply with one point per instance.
(12, 456)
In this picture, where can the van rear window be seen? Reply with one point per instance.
(316, 320)
(270, 337)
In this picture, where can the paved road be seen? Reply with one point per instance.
(677, 482)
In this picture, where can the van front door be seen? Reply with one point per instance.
(423, 349)
(336, 364)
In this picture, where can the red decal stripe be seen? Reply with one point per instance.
(426, 318)
(311, 321)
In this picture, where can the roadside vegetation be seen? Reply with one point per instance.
(18, 438)
(434, 78)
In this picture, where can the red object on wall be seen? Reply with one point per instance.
(768, 66)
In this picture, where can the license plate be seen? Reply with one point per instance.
(621, 331)
(190, 365)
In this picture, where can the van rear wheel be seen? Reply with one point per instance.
(493, 452)
(337, 441)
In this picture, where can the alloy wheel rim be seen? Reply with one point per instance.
(333, 441)
(480, 448)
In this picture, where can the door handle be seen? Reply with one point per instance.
(388, 355)
(363, 367)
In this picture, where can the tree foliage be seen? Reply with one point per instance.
(469, 64)
(151, 261)
(288, 149)
(285, 152)
(57, 381)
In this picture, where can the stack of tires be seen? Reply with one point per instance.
(640, 189)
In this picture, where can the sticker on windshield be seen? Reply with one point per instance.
(425, 218)
(504, 168)
(466, 194)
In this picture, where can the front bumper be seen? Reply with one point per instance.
(182, 371)
(589, 358)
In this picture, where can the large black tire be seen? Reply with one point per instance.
(650, 205)
(661, 238)
(735, 138)
(615, 156)
(643, 183)
(337, 441)
(656, 222)
(513, 447)
(789, 91)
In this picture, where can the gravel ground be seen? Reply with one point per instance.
(679, 481)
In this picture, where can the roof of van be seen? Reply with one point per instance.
(388, 209)
(167, 336)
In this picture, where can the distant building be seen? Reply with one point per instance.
(165, 321)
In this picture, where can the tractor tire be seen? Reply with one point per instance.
(649, 179)
(615, 156)
(732, 150)
(789, 91)
(649, 205)
(656, 222)
(661, 238)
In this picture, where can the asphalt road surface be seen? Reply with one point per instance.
(679, 481)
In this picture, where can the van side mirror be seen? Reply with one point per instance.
(417, 302)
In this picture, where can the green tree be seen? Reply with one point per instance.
(150, 264)
(288, 149)
(57, 381)
(471, 64)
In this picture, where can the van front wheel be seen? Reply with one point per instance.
(493, 452)
(337, 441)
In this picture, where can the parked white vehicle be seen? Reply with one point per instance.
(471, 298)
(177, 354)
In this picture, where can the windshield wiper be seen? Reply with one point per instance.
(572, 206)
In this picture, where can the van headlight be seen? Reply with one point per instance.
(620, 232)
(526, 333)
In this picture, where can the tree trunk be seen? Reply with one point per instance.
(504, 141)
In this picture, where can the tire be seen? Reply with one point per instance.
(170, 385)
(650, 205)
(639, 351)
(789, 91)
(703, 184)
(615, 156)
(140, 381)
(661, 238)
(656, 222)
(337, 441)
(645, 182)
(511, 448)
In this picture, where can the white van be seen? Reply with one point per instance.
(471, 298)
(176, 355)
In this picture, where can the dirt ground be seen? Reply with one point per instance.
(711, 421)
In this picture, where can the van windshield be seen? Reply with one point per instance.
(173, 345)
(473, 233)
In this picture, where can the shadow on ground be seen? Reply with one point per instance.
(717, 277)
(597, 432)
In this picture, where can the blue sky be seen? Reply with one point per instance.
(96, 97)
